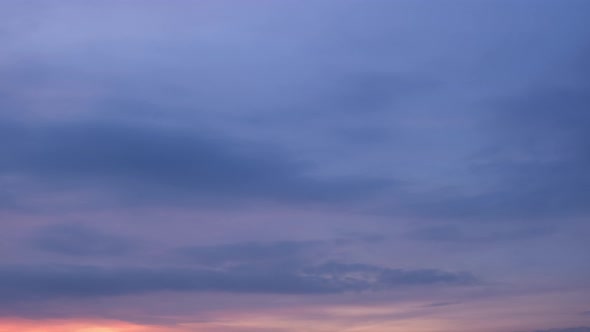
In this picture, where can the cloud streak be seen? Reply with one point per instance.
(161, 162)
(69, 281)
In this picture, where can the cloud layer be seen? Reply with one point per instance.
(296, 165)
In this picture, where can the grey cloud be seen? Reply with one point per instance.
(369, 92)
(342, 268)
(570, 329)
(383, 277)
(285, 252)
(156, 161)
(274, 254)
(543, 167)
(440, 304)
(426, 277)
(65, 281)
(461, 234)
(533, 158)
(77, 240)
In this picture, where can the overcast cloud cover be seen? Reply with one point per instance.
(315, 165)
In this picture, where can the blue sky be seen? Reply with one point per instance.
(332, 165)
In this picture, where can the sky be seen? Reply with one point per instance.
(294, 166)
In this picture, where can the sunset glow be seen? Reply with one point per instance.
(12, 325)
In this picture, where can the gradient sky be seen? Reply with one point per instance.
(295, 166)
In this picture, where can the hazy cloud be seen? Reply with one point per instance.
(570, 329)
(285, 252)
(78, 240)
(160, 162)
(474, 235)
(67, 281)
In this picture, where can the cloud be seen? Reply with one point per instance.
(471, 235)
(366, 92)
(544, 151)
(69, 281)
(570, 329)
(532, 158)
(426, 277)
(145, 162)
(440, 304)
(384, 278)
(286, 252)
(78, 240)
(302, 258)
(542, 158)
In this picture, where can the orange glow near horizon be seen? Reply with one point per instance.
(323, 319)
(242, 323)
(517, 313)
(23, 325)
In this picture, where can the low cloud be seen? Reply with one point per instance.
(461, 234)
(78, 240)
(69, 281)
(248, 252)
(569, 329)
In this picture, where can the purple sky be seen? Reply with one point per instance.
(294, 166)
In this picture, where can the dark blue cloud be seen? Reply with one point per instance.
(570, 329)
(365, 92)
(462, 235)
(304, 258)
(541, 154)
(159, 162)
(426, 277)
(19, 283)
(384, 278)
(440, 304)
(283, 252)
(77, 240)
(533, 159)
